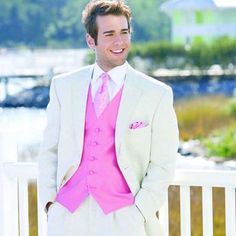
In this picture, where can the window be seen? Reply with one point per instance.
(199, 17)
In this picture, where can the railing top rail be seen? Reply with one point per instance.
(27, 170)
(201, 177)
(184, 177)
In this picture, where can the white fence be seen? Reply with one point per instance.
(14, 214)
(14, 207)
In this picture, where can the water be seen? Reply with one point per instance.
(24, 92)
(27, 125)
(203, 86)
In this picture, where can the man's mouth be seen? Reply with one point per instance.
(118, 51)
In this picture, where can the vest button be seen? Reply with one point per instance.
(92, 187)
(92, 158)
(97, 130)
(94, 143)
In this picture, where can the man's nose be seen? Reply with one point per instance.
(118, 40)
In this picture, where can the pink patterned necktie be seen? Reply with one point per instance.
(101, 99)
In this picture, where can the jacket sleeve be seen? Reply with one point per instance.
(164, 145)
(47, 160)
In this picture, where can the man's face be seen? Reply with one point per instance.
(113, 41)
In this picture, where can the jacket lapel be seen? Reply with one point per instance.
(129, 99)
(80, 87)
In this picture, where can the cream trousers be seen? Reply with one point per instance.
(89, 220)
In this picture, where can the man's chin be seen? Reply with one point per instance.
(120, 62)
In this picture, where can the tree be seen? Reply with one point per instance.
(148, 22)
(50, 23)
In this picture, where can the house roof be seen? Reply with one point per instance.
(172, 5)
(225, 3)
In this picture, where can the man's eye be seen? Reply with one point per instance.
(108, 34)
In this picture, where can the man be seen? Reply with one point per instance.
(111, 139)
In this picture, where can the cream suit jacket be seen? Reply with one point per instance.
(146, 156)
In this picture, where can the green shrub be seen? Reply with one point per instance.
(222, 144)
(231, 108)
(223, 51)
(162, 54)
(199, 55)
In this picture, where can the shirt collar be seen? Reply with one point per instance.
(117, 74)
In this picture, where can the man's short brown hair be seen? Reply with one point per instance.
(101, 8)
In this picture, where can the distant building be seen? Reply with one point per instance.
(200, 19)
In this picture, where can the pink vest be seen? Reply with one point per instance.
(98, 173)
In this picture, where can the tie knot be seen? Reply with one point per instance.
(105, 77)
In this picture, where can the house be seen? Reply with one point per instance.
(197, 20)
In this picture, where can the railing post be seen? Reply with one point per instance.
(185, 211)
(207, 211)
(164, 217)
(8, 187)
(42, 218)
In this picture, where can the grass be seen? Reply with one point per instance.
(231, 107)
(200, 116)
(33, 224)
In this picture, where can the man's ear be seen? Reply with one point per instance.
(90, 41)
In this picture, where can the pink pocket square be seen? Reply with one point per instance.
(137, 125)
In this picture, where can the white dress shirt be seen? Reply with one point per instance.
(117, 76)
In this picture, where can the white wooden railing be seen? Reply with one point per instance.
(14, 208)
(207, 179)
(14, 199)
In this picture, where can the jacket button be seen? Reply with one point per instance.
(91, 172)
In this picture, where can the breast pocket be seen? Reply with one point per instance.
(139, 134)
(137, 147)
